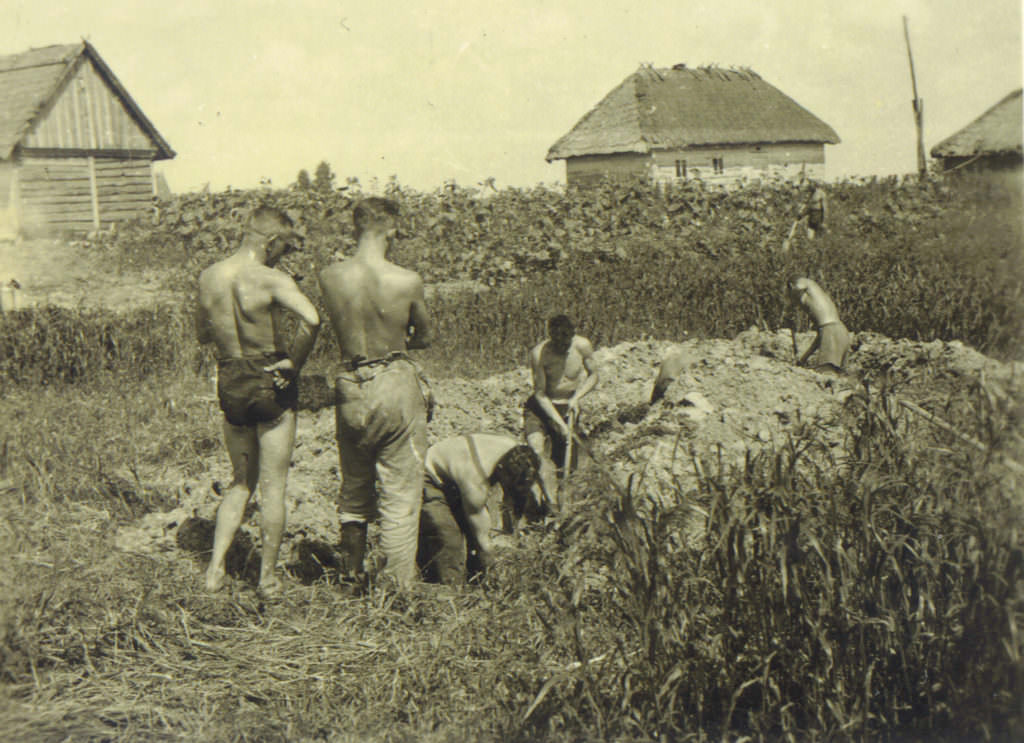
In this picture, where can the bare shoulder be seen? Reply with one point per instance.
(406, 276)
(583, 346)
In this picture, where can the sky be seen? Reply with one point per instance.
(435, 90)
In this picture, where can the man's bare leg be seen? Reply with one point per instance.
(277, 440)
(243, 448)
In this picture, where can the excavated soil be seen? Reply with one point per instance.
(730, 397)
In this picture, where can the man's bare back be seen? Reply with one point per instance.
(378, 311)
(815, 301)
(239, 301)
(375, 307)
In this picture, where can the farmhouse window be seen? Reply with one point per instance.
(681, 169)
(717, 164)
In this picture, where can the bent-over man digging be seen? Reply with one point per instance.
(833, 339)
(458, 515)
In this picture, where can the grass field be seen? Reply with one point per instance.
(876, 599)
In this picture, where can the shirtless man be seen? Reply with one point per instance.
(240, 299)
(833, 339)
(815, 210)
(564, 370)
(458, 515)
(378, 311)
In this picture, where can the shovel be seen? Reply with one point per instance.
(567, 465)
(789, 237)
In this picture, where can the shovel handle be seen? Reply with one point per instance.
(567, 465)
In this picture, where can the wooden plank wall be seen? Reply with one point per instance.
(88, 116)
(125, 188)
(8, 215)
(55, 195)
(788, 160)
(590, 168)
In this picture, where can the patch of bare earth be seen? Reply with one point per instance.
(61, 273)
(731, 398)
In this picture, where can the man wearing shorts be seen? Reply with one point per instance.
(240, 304)
(458, 512)
(815, 209)
(564, 370)
(378, 311)
(833, 339)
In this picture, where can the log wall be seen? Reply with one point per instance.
(743, 162)
(8, 214)
(788, 161)
(589, 168)
(79, 194)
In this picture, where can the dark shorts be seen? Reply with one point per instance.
(816, 221)
(834, 345)
(247, 393)
(535, 420)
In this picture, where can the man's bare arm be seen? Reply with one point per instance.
(204, 331)
(811, 349)
(419, 320)
(586, 351)
(287, 295)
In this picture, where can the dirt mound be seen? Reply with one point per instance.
(730, 397)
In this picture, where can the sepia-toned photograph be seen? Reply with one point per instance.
(559, 371)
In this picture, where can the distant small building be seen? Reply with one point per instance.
(680, 123)
(992, 143)
(76, 152)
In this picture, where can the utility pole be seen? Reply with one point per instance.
(922, 167)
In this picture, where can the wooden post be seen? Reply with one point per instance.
(922, 167)
(94, 193)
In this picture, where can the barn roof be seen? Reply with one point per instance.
(679, 106)
(30, 81)
(998, 131)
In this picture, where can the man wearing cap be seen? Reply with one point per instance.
(378, 312)
(239, 311)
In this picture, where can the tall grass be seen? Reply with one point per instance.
(868, 592)
(875, 598)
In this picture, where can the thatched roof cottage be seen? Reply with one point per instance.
(993, 142)
(76, 151)
(711, 123)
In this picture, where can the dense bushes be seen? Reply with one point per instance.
(54, 345)
(905, 259)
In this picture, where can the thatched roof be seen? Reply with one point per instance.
(998, 131)
(29, 81)
(679, 107)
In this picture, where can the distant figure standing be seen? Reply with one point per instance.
(378, 311)
(456, 522)
(564, 370)
(833, 339)
(815, 210)
(239, 301)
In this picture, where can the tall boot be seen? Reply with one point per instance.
(352, 549)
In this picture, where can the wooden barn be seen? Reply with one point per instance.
(992, 144)
(678, 123)
(76, 152)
